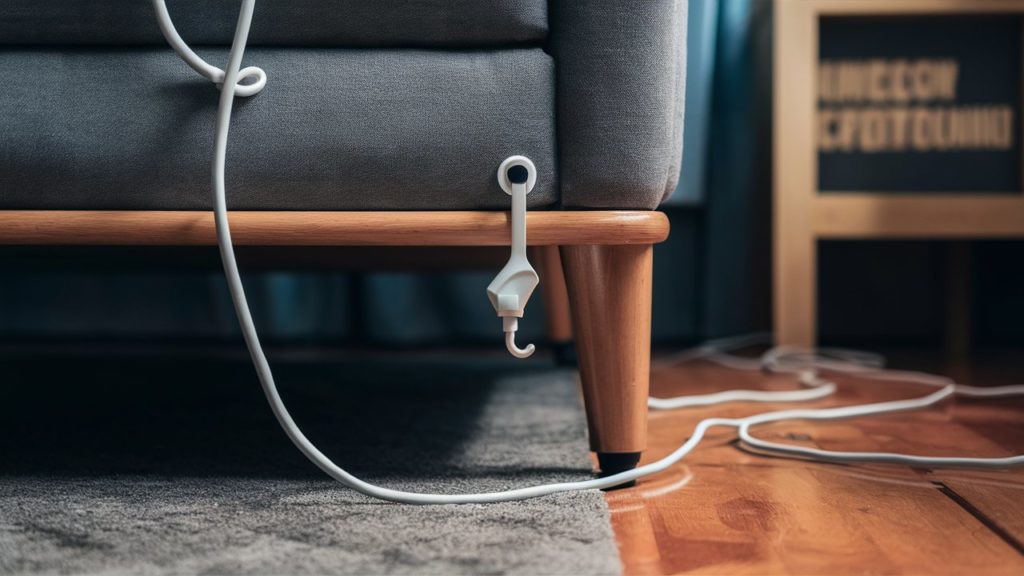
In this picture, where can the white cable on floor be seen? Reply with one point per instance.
(806, 363)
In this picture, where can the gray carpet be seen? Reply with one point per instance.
(172, 466)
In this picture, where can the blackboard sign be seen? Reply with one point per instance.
(924, 103)
(894, 119)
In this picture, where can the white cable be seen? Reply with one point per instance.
(815, 392)
(808, 364)
(259, 359)
(210, 72)
(780, 360)
(947, 388)
(875, 409)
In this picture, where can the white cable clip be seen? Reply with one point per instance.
(512, 287)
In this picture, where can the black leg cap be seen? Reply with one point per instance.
(565, 354)
(615, 462)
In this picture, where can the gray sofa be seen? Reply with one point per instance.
(391, 105)
(98, 113)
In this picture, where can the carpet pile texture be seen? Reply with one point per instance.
(169, 466)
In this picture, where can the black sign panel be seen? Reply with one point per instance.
(928, 103)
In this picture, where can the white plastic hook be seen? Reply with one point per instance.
(512, 287)
(510, 343)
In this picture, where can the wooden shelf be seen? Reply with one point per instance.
(850, 215)
(263, 228)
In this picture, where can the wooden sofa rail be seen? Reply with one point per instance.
(264, 228)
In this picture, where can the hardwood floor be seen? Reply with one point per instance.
(727, 511)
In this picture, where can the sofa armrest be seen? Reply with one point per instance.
(621, 73)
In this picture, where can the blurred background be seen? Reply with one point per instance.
(712, 278)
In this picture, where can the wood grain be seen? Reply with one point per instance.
(557, 318)
(610, 291)
(184, 228)
(795, 250)
(727, 511)
(852, 216)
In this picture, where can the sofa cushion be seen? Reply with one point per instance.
(620, 145)
(350, 23)
(334, 129)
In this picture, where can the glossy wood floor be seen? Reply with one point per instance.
(726, 511)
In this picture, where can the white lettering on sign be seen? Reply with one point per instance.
(903, 105)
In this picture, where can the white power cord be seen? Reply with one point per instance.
(807, 363)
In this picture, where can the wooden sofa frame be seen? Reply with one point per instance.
(607, 257)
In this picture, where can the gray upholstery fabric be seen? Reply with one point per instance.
(334, 129)
(279, 22)
(621, 73)
(92, 127)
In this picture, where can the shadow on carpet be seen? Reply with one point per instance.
(157, 466)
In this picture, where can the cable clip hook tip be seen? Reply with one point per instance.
(510, 343)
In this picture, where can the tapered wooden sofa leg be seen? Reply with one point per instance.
(610, 300)
(557, 321)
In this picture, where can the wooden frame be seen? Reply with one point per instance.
(607, 258)
(190, 228)
(802, 216)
